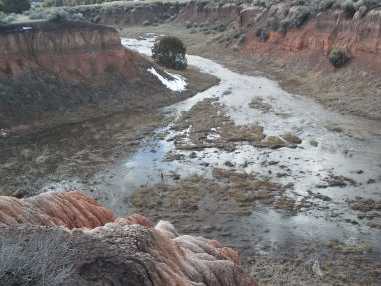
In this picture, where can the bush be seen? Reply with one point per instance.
(61, 15)
(14, 6)
(7, 18)
(170, 52)
(58, 16)
(338, 57)
(349, 8)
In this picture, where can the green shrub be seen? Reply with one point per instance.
(170, 52)
(338, 57)
(7, 18)
(58, 16)
(14, 6)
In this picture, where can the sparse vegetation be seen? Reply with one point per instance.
(58, 16)
(326, 4)
(170, 52)
(349, 8)
(6, 19)
(60, 3)
(14, 6)
(55, 15)
(40, 260)
(338, 57)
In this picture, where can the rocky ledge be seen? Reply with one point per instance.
(89, 247)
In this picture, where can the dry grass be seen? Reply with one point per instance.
(38, 259)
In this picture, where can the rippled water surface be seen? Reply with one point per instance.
(333, 144)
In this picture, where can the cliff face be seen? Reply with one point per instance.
(73, 51)
(57, 73)
(126, 251)
(286, 31)
(359, 36)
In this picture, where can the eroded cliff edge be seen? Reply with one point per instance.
(55, 73)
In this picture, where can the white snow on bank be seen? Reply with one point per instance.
(177, 84)
(3, 133)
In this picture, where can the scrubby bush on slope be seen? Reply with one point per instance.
(349, 8)
(14, 6)
(170, 52)
(58, 3)
(338, 57)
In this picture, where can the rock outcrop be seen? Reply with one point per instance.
(126, 251)
(68, 209)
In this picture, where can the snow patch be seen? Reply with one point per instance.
(141, 45)
(177, 84)
(4, 133)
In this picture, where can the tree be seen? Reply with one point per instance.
(14, 6)
(170, 52)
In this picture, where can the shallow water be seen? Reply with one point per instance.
(346, 145)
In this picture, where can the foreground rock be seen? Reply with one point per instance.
(70, 209)
(126, 251)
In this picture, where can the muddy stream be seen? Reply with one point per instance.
(325, 187)
(339, 159)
